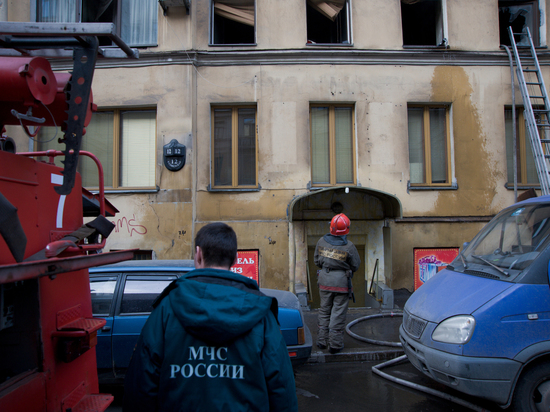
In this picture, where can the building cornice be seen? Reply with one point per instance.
(406, 57)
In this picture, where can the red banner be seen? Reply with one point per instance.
(427, 262)
(247, 264)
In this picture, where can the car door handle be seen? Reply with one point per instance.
(105, 328)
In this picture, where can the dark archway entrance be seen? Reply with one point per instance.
(368, 210)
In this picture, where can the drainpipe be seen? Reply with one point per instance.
(3, 10)
(513, 122)
(292, 252)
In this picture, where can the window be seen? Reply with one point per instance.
(234, 145)
(232, 22)
(139, 294)
(423, 23)
(519, 15)
(135, 20)
(526, 169)
(328, 21)
(332, 145)
(429, 145)
(102, 292)
(123, 140)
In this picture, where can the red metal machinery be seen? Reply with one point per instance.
(47, 332)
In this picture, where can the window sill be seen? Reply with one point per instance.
(423, 47)
(345, 45)
(234, 45)
(234, 189)
(128, 191)
(454, 186)
(510, 186)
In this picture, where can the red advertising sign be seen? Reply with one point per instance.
(247, 264)
(427, 262)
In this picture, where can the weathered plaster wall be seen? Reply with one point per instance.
(407, 236)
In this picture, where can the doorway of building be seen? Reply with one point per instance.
(358, 281)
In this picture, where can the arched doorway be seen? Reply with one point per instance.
(369, 211)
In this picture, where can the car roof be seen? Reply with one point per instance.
(169, 265)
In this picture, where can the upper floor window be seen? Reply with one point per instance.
(429, 145)
(332, 145)
(232, 22)
(525, 162)
(423, 23)
(234, 142)
(125, 143)
(135, 20)
(328, 21)
(519, 15)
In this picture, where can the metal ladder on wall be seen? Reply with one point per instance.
(536, 108)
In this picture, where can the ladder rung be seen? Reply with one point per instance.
(546, 141)
(534, 83)
(536, 97)
(540, 110)
(530, 71)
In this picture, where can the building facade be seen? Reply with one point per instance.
(397, 113)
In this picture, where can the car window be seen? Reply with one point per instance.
(139, 294)
(102, 292)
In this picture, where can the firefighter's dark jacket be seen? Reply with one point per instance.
(212, 343)
(337, 257)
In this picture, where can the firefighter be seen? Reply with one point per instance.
(338, 259)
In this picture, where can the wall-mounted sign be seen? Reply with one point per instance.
(427, 262)
(247, 264)
(174, 155)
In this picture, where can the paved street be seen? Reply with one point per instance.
(352, 386)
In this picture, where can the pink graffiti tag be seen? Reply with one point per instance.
(131, 227)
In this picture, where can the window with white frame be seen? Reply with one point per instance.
(136, 21)
(123, 140)
(328, 22)
(234, 147)
(332, 145)
(429, 145)
(423, 22)
(232, 22)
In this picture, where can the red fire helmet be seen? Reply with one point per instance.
(339, 225)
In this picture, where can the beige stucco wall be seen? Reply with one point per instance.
(165, 220)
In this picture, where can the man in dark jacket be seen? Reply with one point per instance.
(338, 259)
(212, 343)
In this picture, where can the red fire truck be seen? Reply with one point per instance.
(47, 332)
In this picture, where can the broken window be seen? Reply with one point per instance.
(423, 23)
(232, 22)
(520, 15)
(328, 21)
(135, 20)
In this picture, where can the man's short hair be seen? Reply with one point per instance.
(218, 243)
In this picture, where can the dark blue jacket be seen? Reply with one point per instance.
(212, 343)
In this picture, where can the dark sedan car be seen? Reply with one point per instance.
(123, 294)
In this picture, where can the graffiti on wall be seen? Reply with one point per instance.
(130, 225)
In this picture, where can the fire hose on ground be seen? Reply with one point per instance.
(377, 368)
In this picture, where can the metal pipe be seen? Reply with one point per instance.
(514, 137)
(421, 388)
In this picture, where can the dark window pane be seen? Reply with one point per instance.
(247, 146)
(222, 148)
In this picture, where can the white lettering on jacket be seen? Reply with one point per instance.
(210, 368)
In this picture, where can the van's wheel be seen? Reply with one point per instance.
(532, 392)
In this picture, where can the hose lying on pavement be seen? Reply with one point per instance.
(443, 395)
(373, 341)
